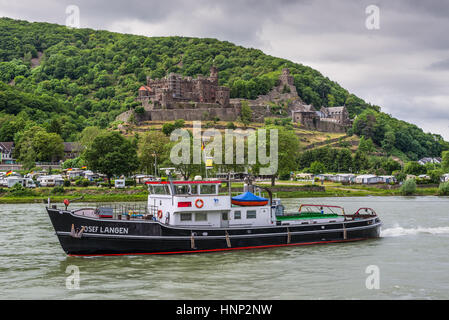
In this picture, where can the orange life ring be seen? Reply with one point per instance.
(159, 214)
(199, 206)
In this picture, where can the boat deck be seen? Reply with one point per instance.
(308, 215)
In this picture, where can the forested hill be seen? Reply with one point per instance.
(67, 79)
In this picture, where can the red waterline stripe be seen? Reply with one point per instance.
(215, 250)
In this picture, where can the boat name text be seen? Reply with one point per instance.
(109, 230)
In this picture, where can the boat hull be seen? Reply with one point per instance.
(118, 237)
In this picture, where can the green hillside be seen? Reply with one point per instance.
(67, 79)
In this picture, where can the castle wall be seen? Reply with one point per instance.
(224, 114)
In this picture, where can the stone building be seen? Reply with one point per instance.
(175, 91)
(6, 152)
(331, 119)
(335, 114)
(177, 97)
(306, 115)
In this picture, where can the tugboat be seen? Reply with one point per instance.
(195, 216)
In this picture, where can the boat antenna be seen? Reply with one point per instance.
(229, 187)
(270, 193)
(170, 182)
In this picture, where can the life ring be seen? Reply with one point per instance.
(199, 203)
(159, 214)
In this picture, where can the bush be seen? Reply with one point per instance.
(19, 191)
(168, 128)
(180, 123)
(230, 125)
(268, 121)
(284, 175)
(130, 182)
(58, 190)
(409, 187)
(140, 110)
(67, 183)
(80, 182)
(105, 184)
(443, 189)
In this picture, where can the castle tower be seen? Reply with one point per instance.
(286, 78)
(213, 75)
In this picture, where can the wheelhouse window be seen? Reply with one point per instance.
(237, 215)
(208, 189)
(201, 216)
(194, 189)
(162, 189)
(182, 189)
(186, 217)
(251, 214)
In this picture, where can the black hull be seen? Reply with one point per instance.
(117, 237)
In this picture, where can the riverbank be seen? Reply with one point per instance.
(282, 189)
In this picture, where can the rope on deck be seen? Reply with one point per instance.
(228, 241)
(192, 241)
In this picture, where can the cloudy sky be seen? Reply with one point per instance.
(398, 58)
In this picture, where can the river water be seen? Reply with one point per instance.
(409, 261)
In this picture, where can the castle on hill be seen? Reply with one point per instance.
(201, 98)
(173, 90)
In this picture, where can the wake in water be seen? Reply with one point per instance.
(398, 231)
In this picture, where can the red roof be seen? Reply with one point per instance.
(144, 88)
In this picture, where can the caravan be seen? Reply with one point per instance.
(50, 181)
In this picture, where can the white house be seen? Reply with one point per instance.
(367, 179)
(89, 175)
(75, 173)
(423, 161)
(304, 176)
(119, 183)
(51, 181)
(445, 177)
(388, 179)
(344, 177)
(6, 151)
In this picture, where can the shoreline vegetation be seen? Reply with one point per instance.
(282, 189)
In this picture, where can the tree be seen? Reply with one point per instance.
(245, 113)
(445, 161)
(435, 175)
(443, 189)
(414, 168)
(153, 148)
(317, 167)
(366, 145)
(168, 128)
(88, 135)
(359, 162)
(36, 144)
(409, 187)
(111, 154)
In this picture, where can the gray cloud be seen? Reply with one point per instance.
(403, 66)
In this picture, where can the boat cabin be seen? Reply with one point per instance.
(201, 204)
